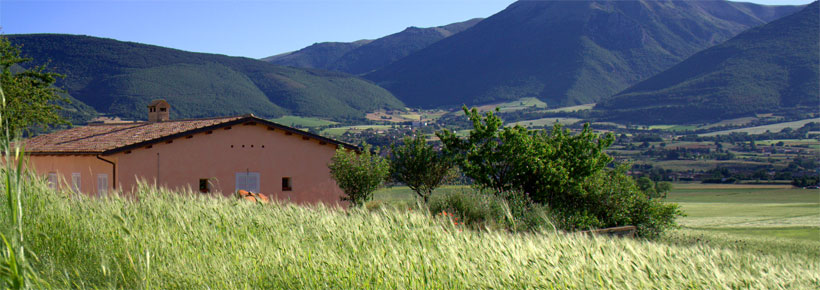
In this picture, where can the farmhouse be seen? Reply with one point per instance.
(207, 155)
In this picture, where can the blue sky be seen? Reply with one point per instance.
(243, 28)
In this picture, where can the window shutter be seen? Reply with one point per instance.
(241, 180)
(52, 180)
(76, 182)
(102, 185)
(253, 182)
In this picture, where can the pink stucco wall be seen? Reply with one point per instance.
(218, 156)
(87, 166)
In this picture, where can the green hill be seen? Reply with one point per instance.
(367, 55)
(766, 69)
(565, 52)
(119, 78)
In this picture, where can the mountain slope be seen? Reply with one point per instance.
(564, 52)
(388, 49)
(366, 55)
(318, 55)
(765, 69)
(119, 78)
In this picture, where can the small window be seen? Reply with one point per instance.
(102, 185)
(204, 185)
(286, 185)
(52, 180)
(162, 109)
(76, 182)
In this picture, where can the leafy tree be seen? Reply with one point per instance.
(419, 166)
(646, 185)
(566, 172)
(358, 174)
(662, 188)
(31, 98)
(545, 166)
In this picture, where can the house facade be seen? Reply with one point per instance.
(214, 155)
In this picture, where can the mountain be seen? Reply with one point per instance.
(318, 55)
(769, 68)
(367, 55)
(119, 78)
(565, 52)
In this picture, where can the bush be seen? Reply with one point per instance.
(612, 198)
(416, 164)
(358, 174)
(564, 172)
(481, 210)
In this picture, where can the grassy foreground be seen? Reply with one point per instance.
(173, 240)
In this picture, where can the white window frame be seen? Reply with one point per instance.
(249, 181)
(102, 185)
(76, 182)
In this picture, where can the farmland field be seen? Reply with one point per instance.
(774, 128)
(184, 240)
(572, 108)
(296, 121)
(545, 122)
(175, 240)
(521, 104)
(338, 131)
(752, 210)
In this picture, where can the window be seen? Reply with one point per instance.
(204, 185)
(102, 185)
(248, 181)
(162, 109)
(286, 186)
(52, 180)
(76, 182)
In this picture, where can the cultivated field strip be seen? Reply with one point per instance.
(175, 240)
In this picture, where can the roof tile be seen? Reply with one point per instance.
(99, 138)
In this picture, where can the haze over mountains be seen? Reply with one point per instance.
(119, 78)
(565, 52)
(367, 55)
(764, 69)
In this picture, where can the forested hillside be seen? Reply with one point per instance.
(119, 78)
(367, 55)
(765, 69)
(565, 52)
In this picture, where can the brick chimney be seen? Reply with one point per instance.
(159, 111)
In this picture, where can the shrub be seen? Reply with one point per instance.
(566, 173)
(358, 174)
(416, 164)
(480, 210)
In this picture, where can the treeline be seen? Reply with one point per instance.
(541, 177)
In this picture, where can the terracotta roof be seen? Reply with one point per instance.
(112, 138)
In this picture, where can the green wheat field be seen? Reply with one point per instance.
(183, 240)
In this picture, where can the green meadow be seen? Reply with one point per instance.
(751, 210)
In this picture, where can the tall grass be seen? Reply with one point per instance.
(15, 273)
(185, 240)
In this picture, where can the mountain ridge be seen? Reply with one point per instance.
(367, 55)
(762, 70)
(562, 52)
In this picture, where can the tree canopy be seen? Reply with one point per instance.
(31, 99)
